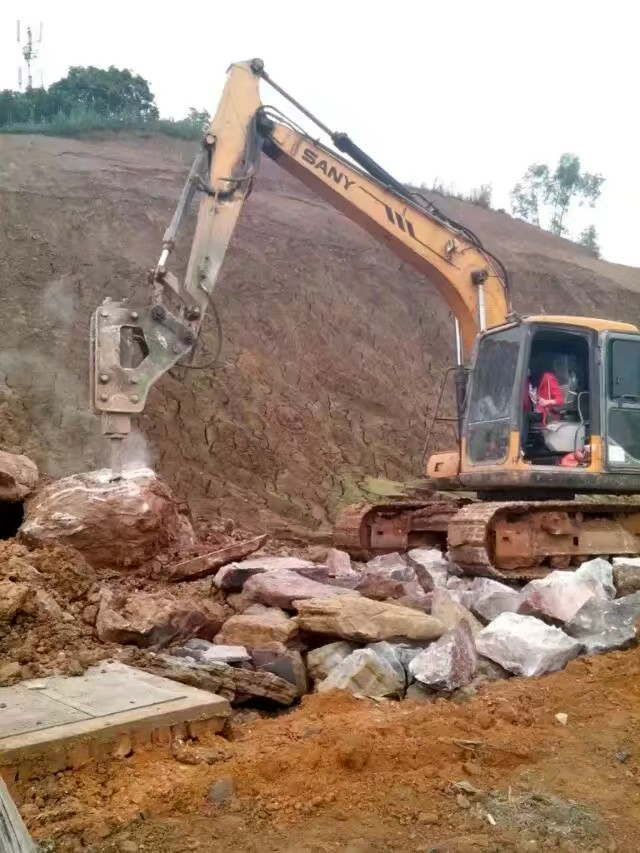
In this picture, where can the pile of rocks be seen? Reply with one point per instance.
(401, 624)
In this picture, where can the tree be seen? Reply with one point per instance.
(111, 92)
(589, 239)
(542, 190)
(198, 118)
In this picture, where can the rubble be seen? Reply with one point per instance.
(450, 612)
(431, 567)
(365, 672)
(525, 645)
(13, 599)
(362, 619)
(207, 564)
(280, 588)
(558, 597)
(257, 630)
(488, 598)
(626, 575)
(154, 618)
(112, 524)
(448, 663)
(602, 626)
(322, 660)
(232, 578)
(18, 476)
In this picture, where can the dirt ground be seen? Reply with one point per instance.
(499, 773)
(334, 351)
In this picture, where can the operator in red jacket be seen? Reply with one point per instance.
(543, 394)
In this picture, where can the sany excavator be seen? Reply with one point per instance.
(529, 476)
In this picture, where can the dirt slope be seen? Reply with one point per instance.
(333, 350)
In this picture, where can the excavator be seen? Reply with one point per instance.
(525, 491)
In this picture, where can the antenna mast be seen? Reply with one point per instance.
(29, 50)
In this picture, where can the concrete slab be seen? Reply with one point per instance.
(52, 723)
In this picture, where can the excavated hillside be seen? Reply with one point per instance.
(333, 350)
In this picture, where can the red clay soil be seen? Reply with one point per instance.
(498, 774)
(334, 351)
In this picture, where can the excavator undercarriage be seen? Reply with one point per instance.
(518, 539)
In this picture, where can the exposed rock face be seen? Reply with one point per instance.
(152, 618)
(602, 626)
(366, 673)
(357, 618)
(450, 612)
(488, 598)
(280, 588)
(559, 596)
(322, 660)
(257, 630)
(626, 575)
(525, 645)
(114, 524)
(18, 476)
(232, 578)
(449, 663)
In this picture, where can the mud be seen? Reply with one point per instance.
(343, 774)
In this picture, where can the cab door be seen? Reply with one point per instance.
(495, 397)
(621, 401)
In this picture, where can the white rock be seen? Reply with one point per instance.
(562, 718)
(488, 598)
(448, 663)
(525, 645)
(322, 660)
(560, 595)
(602, 626)
(365, 673)
(431, 561)
(598, 570)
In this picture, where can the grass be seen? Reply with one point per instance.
(81, 123)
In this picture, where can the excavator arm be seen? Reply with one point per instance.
(133, 347)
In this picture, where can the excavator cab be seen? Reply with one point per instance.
(552, 407)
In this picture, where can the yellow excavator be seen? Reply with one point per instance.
(527, 470)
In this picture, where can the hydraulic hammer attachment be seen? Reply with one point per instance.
(131, 348)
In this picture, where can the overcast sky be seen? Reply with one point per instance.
(470, 92)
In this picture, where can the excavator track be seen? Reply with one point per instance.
(519, 539)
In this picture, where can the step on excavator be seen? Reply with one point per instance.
(540, 474)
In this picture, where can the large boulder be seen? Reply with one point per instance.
(448, 663)
(364, 620)
(488, 598)
(154, 618)
(322, 660)
(18, 476)
(366, 672)
(390, 577)
(559, 596)
(626, 575)
(602, 626)
(112, 524)
(599, 571)
(232, 578)
(257, 630)
(525, 645)
(280, 588)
